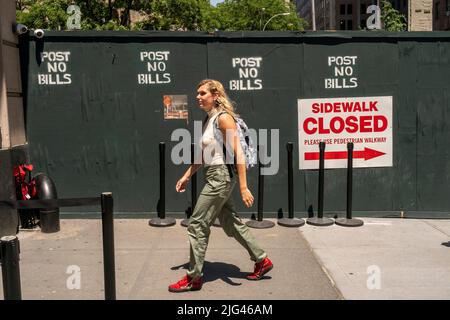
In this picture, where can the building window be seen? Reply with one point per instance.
(363, 24)
(342, 25)
(363, 8)
(349, 9)
(436, 11)
(349, 24)
(342, 9)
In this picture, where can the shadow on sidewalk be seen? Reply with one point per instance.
(220, 270)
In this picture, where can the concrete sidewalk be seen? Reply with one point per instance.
(148, 259)
(384, 259)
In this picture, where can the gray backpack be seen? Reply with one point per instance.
(248, 148)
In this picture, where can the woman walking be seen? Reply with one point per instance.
(215, 199)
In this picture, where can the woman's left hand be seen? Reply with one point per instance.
(181, 184)
(247, 197)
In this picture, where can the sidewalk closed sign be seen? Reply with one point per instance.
(365, 121)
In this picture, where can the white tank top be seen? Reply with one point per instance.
(211, 148)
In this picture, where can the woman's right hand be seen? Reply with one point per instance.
(247, 197)
(181, 184)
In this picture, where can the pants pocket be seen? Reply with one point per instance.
(219, 179)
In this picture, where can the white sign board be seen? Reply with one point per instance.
(365, 121)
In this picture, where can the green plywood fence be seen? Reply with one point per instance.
(95, 117)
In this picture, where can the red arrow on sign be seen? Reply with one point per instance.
(366, 154)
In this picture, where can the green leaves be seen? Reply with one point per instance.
(173, 15)
(44, 14)
(195, 15)
(392, 19)
(236, 15)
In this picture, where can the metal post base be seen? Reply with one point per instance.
(344, 222)
(264, 224)
(158, 222)
(320, 222)
(185, 223)
(216, 223)
(291, 222)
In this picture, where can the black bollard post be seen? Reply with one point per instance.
(348, 221)
(9, 257)
(48, 217)
(290, 221)
(162, 181)
(161, 220)
(109, 268)
(260, 223)
(185, 222)
(320, 220)
(260, 192)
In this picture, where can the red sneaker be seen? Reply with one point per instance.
(261, 268)
(186, 284)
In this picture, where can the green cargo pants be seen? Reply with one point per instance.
(215, 202)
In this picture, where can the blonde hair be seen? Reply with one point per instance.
(222, 102)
